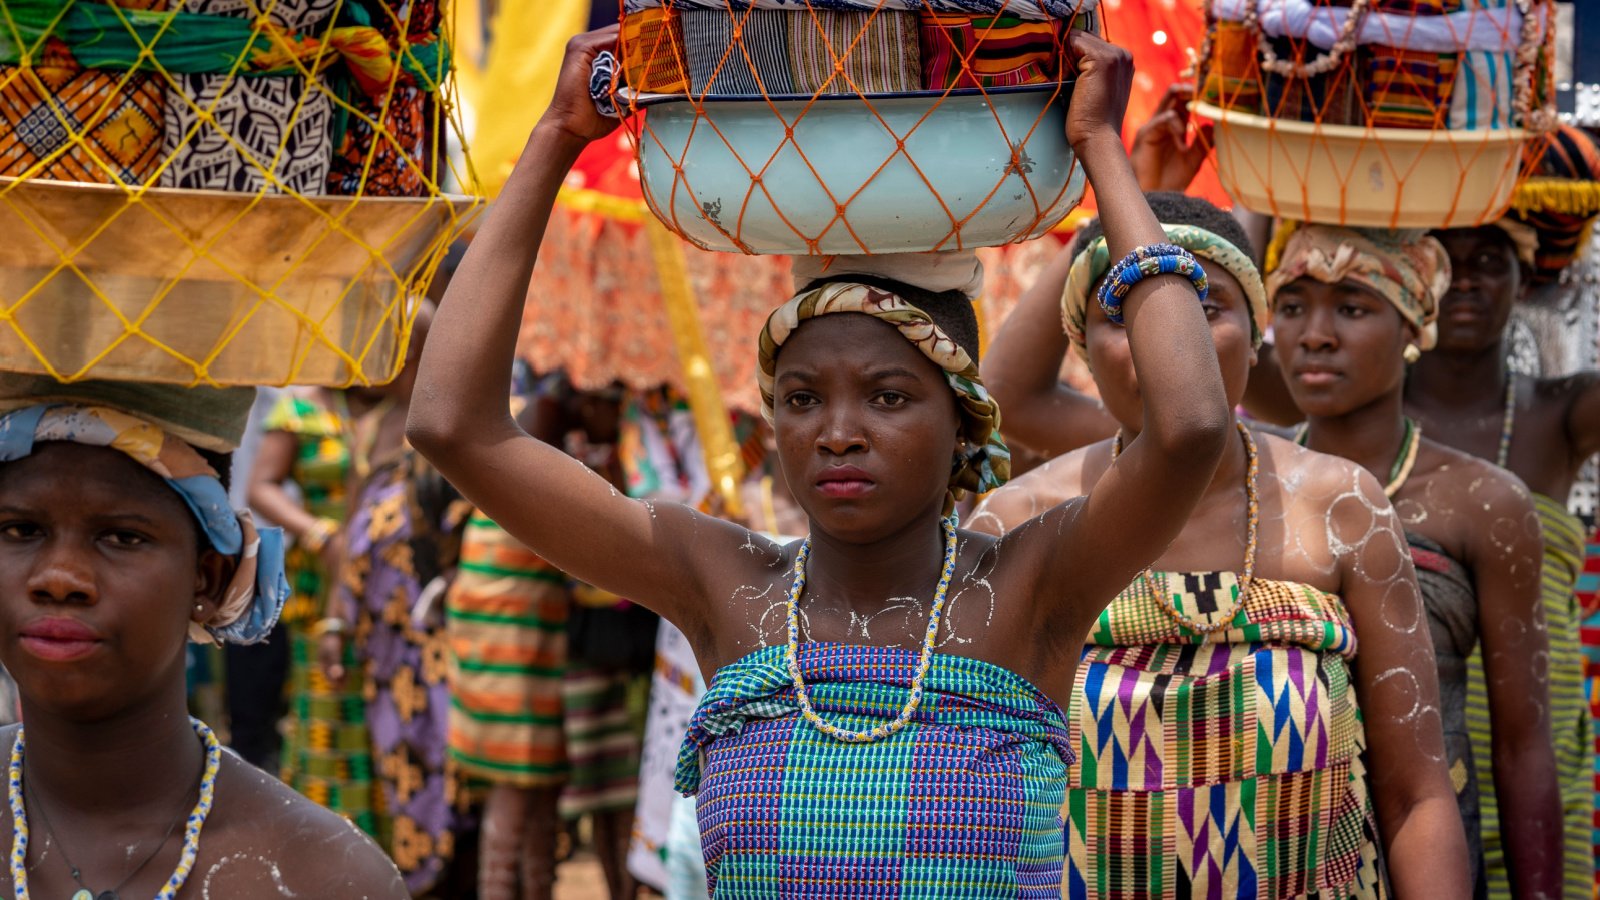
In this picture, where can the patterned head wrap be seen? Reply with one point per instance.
(1091, 265)
(1559, 202)
(1410, 269)
(987, 464)
(251, 603)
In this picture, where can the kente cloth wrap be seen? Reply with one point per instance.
(879, 53)
(987, 464)
(506, 617)
(1486, 80)
(1409, 269)
(756, 61)
(964, 802)
(960, 51)
(1027, 9)
(1228, 765)
(256, 593)
(1560, 201)
(1451, 603)
(1091, 265)
(1407, 88)
(1569, 716)
(651, 45)
(1233, 76)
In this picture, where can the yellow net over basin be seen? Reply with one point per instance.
(222, 191)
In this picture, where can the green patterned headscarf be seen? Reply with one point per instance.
(1091, 265)
(987, 464)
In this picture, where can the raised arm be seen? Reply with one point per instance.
(1397, 686)
(1022, 368)
(1142, 502)
(658, 556)
(1505, 562)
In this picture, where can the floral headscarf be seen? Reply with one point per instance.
(1410, 269)
(1092, 263)
(987, 464)
(254, 597)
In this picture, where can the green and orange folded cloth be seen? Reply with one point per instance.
(809, 51)
(223, 100)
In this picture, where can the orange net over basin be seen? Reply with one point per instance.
(222, 191)
(823, 127)
(1382, 113)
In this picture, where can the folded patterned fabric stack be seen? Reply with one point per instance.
(1422, 64)
(301, 96)
(119, 115)
(251, 134)
(843, 47)
(396, 159)
(961, 51)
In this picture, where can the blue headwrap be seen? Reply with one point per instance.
(259, 587)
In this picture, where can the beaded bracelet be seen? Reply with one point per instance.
(1145, 262)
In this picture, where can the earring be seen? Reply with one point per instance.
(1412, 353)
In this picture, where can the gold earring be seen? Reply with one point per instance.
(1412, 353)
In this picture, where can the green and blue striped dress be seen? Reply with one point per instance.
(963, 802)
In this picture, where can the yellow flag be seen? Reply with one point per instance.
(506, 74)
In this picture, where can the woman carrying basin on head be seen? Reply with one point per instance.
(1257, 709)
(887, 766)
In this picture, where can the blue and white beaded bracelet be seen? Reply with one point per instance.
(1146, 262)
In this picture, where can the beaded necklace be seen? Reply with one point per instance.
(1508, 422)
(900, 721)
(1252, 527)
(1404, 461)
(191, 832)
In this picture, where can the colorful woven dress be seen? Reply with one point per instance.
(327, 751)
(963, 802)
(1220, 766)
(506, 618)
(1569, 714)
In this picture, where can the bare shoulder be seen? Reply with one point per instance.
(1306, 476)
(265, 840)
(1033, 494)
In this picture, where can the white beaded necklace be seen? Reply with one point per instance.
(191, 832)
(792, 656)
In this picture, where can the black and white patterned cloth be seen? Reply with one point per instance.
(272, 134)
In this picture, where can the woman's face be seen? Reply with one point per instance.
(1228, 311)
(1341, 347)
(100, 573)
(866, 426)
